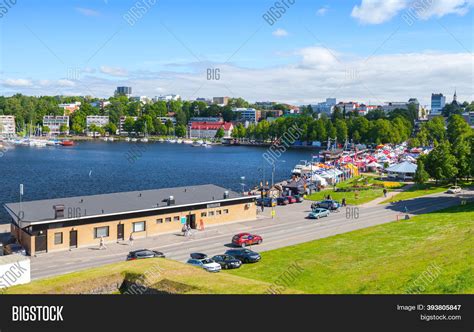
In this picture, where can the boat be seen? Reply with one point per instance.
(172, 141)
(67, 143)
(134, 139)
(187, 141)
(127, 139)
(179, 141)
(161, 140)
(111, 139)
(145, 139)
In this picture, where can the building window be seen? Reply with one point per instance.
(58, 238)
(211, 213)
(218, 212)
(203, 214)
(101, 232)
(139, 226)
(159, 221)
(226, 211)
(168, 219)
(176, 218)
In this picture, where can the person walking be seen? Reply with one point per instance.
(384, 192)
(184, 230)
(102, 244)
(343, 202)
(131, 239)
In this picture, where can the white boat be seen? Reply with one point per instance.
(134, 139)
(144, 140)
(161, 140)
(172, 141)
(179, 141)
(200, 142)
(127, 139)
(187, 141)
(111, 139)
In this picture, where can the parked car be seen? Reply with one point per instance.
(267, 201)
(227, 261)
(246, 239)
(244, 255)
(454, 190)
(198, 255)
(318, 213)
(291, 199)
(14, 248)
(205, 263)
(144, 253)
(283, 201)
(328, 204)
(299, 198)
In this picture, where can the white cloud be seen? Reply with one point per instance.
(439, 8)
(64, 83)
(19, 82)
(87, 11)
(113, 71)
(377, 11)
(322, 11)
(380, 11)
(280, 33)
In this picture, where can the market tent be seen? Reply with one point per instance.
(402, 170)
(374, 164)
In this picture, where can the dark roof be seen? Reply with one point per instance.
(117, 203)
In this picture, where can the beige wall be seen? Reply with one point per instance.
(85, 233)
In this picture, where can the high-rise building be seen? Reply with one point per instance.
(123, 91)
(7, 125)
(248, 114)
(438, 101)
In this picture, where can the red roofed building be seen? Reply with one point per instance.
(209, 129)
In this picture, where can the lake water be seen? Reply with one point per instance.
(99, 167)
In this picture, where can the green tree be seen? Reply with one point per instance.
(219, 133)
(440, 163)
(110, 128)
(63, 129)
(45, 130)
(129, 125)
(421, 175)
(180, 130)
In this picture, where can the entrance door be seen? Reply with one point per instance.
(41, 243)
(120, 232)
(73, 239)
(192, 221)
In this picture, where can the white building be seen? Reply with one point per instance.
(393, 105)
(141, 99)
(167, 98)
(248, 114)
(326, 107)
(122, 122)
(54, 124)
(164, 119)
(7, 125)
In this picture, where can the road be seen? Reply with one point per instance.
(289, 227)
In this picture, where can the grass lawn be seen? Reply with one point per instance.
(363, 196)
(418, 190)
(161, 274)
(385, 259)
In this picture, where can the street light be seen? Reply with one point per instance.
(242, 178)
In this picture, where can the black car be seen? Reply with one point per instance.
(227, 261)
(244, 255)
(283, 201)
(198, 255)
(144, 253)
(14, 248)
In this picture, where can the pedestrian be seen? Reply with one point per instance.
(102, 245)
(263, 206)
(131, 239)
(184, 230)
(343, 201)
(384, 192)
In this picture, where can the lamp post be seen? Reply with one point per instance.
(242, 183)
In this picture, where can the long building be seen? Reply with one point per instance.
(54, 123)
(74, 222)
(209, 129)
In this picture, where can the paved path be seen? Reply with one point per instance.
(289, 227)
(390, 194)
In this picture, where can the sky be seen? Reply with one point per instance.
(294, 51)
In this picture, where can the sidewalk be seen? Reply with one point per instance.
(391, 194)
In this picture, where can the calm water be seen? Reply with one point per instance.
(101, 167)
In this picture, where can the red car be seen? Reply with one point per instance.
(292, 199)
(245, 239)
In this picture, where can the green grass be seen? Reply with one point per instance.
(385, 259)
(353, 198)
(419, 190)
(161, 274)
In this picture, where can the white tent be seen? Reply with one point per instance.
(403, 170)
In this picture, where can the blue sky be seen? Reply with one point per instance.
(347, 49)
